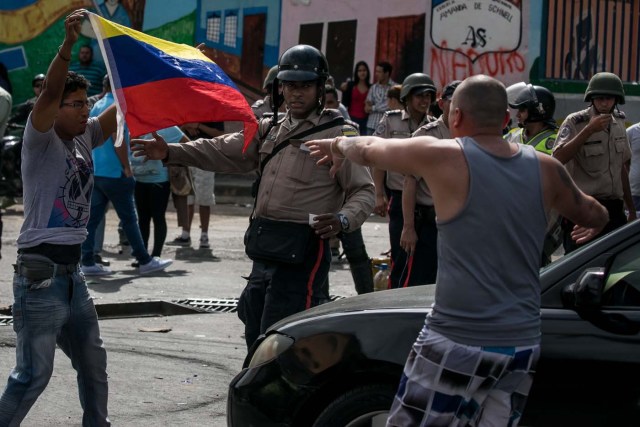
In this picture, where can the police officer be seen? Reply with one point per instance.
(417, 93)
(293, 190)
(593, 146)
(536, 125)
(262, 106)
(419, 238)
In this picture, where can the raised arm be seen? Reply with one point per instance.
(566, 150)
(48, 103)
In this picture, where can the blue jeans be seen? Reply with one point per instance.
(59, 312)
(120, 192)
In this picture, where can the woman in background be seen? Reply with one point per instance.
(354, 94)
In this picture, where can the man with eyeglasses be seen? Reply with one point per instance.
(51, 302)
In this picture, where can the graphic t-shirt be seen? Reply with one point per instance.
(57, 180)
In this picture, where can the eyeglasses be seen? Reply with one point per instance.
(38, 85)
(78, 105)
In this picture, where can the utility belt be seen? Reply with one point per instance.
(38, 267)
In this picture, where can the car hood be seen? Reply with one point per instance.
(413, 298)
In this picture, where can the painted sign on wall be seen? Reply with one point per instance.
(480, 36)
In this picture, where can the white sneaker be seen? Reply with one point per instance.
(204, 242)
(96, 270)
(156, 264)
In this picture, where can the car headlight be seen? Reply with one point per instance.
(272, 346)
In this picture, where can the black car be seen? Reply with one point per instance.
(339, 364)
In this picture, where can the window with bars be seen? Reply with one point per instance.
(230, 29)
(213, 27)
(585, 37)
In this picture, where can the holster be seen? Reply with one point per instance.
(277, 241)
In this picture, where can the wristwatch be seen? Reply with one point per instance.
(344, 222)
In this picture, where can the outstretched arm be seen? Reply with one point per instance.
(411, 156)
(48, 103)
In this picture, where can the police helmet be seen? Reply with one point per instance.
(539, 101)
(271, 76)
(37, 78)
(302, 63)
(605, 84)
(417, 82)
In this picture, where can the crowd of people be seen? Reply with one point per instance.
(454, 187)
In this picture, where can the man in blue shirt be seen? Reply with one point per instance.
(114, 182)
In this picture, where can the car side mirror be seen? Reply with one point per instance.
(586, 292)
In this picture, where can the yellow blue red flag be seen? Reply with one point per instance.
(158, 84)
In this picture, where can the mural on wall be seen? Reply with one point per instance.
(477, 37)
(22, 20)
(32, 30)
(584, 38)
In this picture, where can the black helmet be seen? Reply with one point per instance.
(539, 101)
(299, 63)
(416, 81)
(605, 84)
(302, 63)
(37, 78)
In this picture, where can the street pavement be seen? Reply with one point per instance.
(170, 370)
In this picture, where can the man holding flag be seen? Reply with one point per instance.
(298, 205)
(51, 301)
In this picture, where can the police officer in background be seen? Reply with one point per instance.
(262, 106)
(296, 198)
(593, 146)
(417, 93)
(536, 125)
(419, 238)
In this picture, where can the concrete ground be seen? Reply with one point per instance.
(163, 370)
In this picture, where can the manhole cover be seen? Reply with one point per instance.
(213, 305)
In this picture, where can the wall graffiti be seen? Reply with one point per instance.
(473, 37)
(447, 64)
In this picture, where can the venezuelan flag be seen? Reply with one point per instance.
(158, 83)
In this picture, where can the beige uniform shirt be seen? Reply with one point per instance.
(438, 130)
(397, 124)
(597, 166)
(293, 185)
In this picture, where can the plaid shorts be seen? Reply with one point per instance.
(449, 384)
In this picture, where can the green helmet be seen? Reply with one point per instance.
(605, 84)
(417, 81)
(271, 76)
